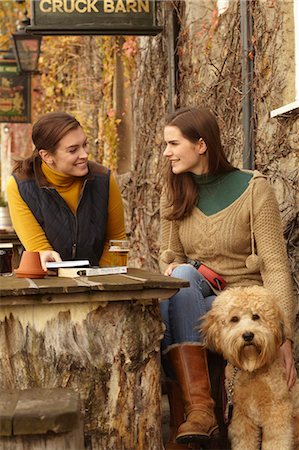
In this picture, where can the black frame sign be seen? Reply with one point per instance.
(93, 17)
(15, 94)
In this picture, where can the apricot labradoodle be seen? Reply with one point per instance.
(247, 327)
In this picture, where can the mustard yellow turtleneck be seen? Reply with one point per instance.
(68, 187)
(31, 233)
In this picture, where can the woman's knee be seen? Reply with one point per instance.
(196, 279)
(187, 272)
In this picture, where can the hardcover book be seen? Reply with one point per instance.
(73, 272)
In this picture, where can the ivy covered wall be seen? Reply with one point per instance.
(209, 51)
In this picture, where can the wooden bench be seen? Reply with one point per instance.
(36, 419)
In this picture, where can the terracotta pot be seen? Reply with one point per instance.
(30, 266)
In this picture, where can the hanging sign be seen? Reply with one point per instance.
(93, 17)
(15, 94)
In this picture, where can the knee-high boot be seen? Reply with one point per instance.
(176, 414)
(189, 363)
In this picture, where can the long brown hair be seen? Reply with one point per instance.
(194, 123)
(47, 132)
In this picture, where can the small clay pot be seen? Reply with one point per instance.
(30, 266)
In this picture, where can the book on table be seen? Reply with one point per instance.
(79, 268)
(71, 263)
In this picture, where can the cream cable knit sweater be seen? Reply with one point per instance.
(223, 242)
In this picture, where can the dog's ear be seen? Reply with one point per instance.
(210, 330)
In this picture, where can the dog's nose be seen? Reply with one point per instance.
(248, 336)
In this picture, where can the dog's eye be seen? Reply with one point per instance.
(234, 319)
(255, 317)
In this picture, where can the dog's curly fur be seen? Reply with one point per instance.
(247, 327)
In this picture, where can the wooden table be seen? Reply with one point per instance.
(10, 236)
(99, 336)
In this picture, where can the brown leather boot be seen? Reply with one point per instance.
(177, 415)
(191, 368)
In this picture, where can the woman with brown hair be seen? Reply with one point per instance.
(219, 226)
(61, 204)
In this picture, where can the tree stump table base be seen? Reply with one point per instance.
(99, 336)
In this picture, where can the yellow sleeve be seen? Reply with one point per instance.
(25, 224)
(116, 221)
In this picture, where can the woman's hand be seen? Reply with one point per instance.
(48, 255)
(288, 359)
(172, 266)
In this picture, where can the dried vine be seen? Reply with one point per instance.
(213, 78)
(109, 48)
(141, 188)
(209, 50)
(276, 139)
(70, 81)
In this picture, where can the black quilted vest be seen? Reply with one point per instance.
(79, 236)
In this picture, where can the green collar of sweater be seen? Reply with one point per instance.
(217, 192)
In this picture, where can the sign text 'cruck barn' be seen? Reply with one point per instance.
(76, 17)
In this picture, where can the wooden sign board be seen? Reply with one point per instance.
(15, 94)
(93, 17)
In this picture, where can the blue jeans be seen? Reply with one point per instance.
(181, 313)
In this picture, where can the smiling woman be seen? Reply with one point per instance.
(183, 154)
(71, 155)
(217, 223)
(61, 204)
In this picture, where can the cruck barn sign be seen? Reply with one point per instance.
(93, 17)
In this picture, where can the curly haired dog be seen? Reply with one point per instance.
(247, 327)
